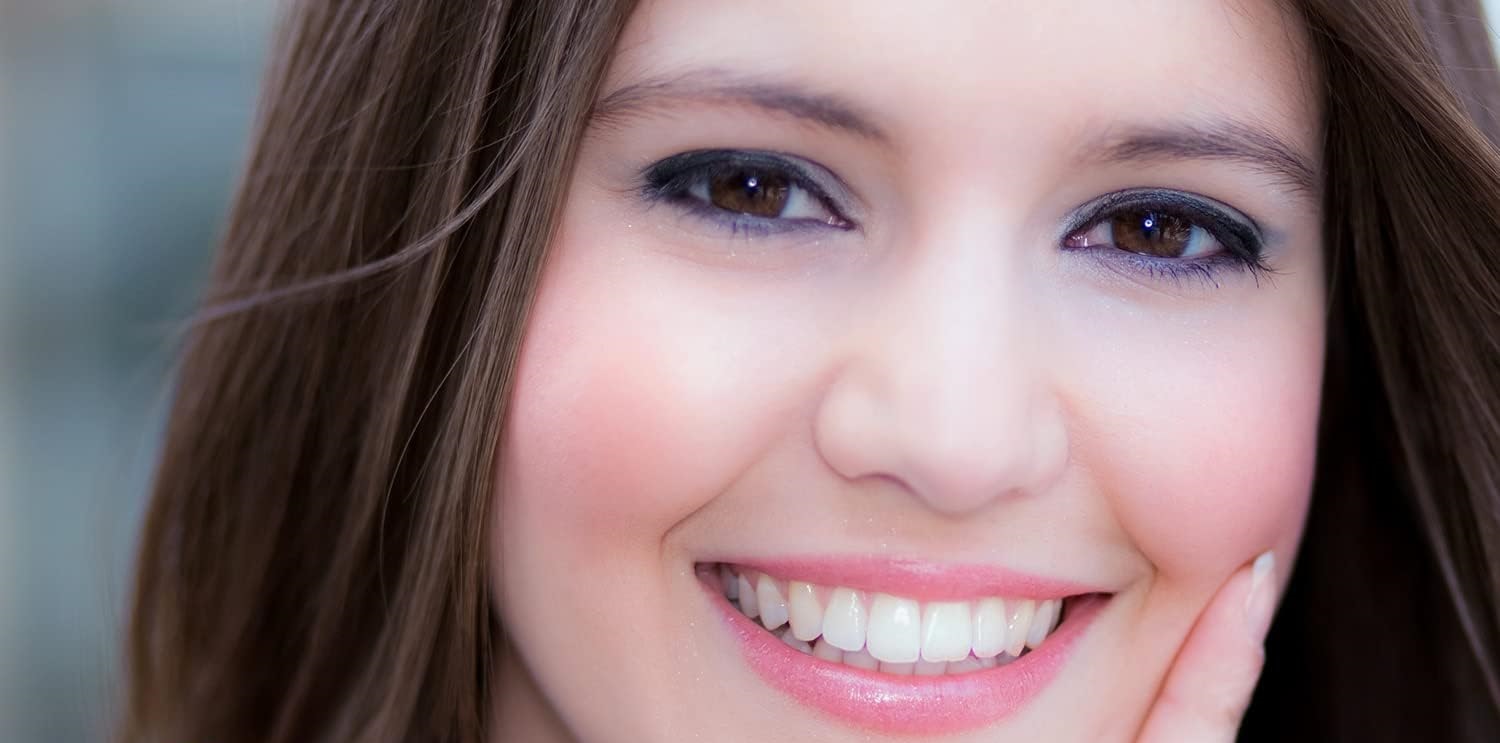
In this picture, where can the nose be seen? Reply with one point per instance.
(944, 387)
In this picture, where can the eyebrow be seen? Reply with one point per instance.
(1226, 140)
(1232, 141)
(723, 87)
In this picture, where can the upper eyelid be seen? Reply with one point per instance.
(1095, 209)
(1100, 205)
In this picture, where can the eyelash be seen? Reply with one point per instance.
(674, 179)
(1243, 247)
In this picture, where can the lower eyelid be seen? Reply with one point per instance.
(1157, 273)
(730, 224)
(738, 224)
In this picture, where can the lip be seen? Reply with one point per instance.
(917, 579)
(906, 705)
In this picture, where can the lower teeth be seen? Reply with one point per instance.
(863, 659)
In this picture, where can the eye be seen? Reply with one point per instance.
(1147, 232)
(1168, 234)
(740, 189)
(757, 193)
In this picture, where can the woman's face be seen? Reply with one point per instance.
(907, 324)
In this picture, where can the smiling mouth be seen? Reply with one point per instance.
(901, 645)
(888, 633)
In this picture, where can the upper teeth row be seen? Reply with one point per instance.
(891, 628)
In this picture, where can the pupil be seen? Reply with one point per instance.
(1152, 233)
(748, 192)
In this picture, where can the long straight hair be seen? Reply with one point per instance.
(1389, 629)
(312, 564)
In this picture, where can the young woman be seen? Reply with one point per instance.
(843, 371)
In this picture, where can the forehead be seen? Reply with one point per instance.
(1007, 74)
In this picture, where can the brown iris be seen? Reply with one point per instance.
(1151, 233)
(752, 192)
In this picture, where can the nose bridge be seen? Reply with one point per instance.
(946, 390)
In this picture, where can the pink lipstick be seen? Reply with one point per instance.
(879, 701)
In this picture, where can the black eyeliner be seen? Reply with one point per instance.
(1241, 236)
(670, 179)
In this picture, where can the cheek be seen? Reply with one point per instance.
(587, 436)
(598, 470)
(635, 403)
(1201, 445)
(1210, 466)
(1232, 501)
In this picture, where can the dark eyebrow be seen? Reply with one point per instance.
(1233, 141)
(721, 87)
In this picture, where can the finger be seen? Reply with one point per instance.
(1209, 685)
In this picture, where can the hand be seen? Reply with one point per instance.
(1209, 686)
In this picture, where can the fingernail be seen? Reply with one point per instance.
(1260, 602)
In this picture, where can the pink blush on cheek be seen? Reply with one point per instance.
(1229, 505)
(626, 414)
(643, 387)
(1206, 455)
(587, 454)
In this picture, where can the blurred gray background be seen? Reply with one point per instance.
(122, 126)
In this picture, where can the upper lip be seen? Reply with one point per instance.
(923, 580)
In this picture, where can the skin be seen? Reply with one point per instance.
(943, 380)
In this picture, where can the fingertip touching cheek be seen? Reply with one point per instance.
(862, 333)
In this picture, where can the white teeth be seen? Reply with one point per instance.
(967, 665)
(748, 603)
(945, 631)
(1041, 624)
(787, 638)
(804, 611)
(889, 633)
(989, 627)
(931, 668)
(822, 649)
(861, 659)
(895, 634)
(772, 605)
(727, 581)
(844, 620)
(1018, 626)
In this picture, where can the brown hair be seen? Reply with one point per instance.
(312, 563)
(1389, 629)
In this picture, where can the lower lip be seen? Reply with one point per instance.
(910, 705)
